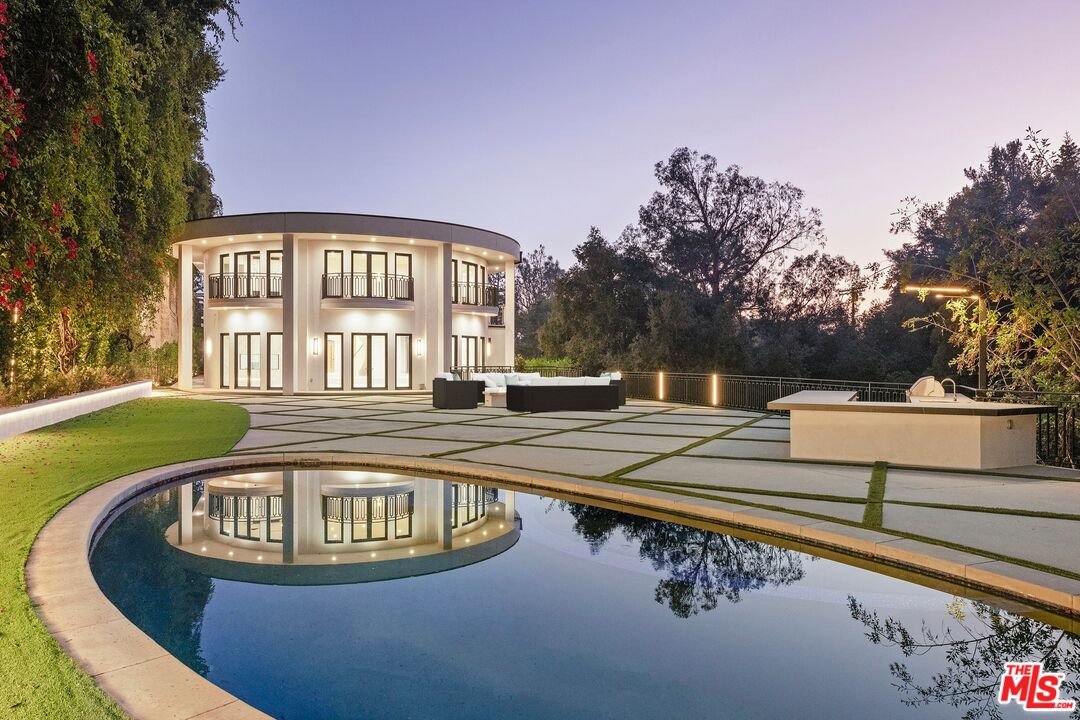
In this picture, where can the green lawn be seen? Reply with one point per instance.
(40, 472)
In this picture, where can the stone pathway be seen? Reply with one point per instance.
(1024, 522)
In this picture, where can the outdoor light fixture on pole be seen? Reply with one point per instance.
(960, 292)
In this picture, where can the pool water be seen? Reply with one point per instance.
(415, 598)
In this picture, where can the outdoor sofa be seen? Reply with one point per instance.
(450, 394)
(528, 392)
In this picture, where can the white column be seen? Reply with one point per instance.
(184, 318)
(510, 505)
(442, 345)
(444, 514)
(184, 512)
(292, 346)
(290, 503)
(509, 307)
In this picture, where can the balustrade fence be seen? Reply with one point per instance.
(230, 286)
(367, 285)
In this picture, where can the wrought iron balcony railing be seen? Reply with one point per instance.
(232, 285)
(466, 293)
(367, 285)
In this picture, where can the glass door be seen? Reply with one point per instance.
(247, 274)
(377, 277)
(369, 359)
(273, 273)
(403, 362)
(248, 362)
(225, 359)
(333, 267)
(333, 367)
(361, 268)
(361, 369)
(273, 345)
(401, 287)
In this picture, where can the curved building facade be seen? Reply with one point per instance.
(313, 302)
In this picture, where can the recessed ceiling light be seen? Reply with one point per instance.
(203, 242)
(204, 548)
(374, 240)
(484, 253)
(260, 237)
(333, 558)
(333, 237)
(230, 239)
(412, 242)
(259, 558)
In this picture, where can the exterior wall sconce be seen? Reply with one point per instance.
(660, 385)
(419, 347)
(315, 345)
(209, 346)
(489, 347)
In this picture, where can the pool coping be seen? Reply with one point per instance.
(148, 682)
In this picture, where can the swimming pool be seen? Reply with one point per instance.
(333, 594)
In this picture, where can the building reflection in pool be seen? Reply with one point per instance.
(702, 566)
(331, 526)
(973, 650)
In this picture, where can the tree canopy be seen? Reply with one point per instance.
(102, 124)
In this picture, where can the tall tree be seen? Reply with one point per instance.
(722, 229)
(535, 284)
(1011, 235)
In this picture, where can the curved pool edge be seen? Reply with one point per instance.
(147, 682)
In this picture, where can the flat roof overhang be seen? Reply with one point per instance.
(218, 230)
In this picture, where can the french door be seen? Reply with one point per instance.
(248, 361)
(368, 274)
(369, 353)
(276, 366)
(225, 360)
(333, 362)
(403, 362)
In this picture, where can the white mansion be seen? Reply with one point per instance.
(309, 302)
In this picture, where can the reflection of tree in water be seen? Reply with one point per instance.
(139, 573)
(974, 653)
(702, 566)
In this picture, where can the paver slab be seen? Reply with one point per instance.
(704, 420)
(761, 433)
(728, 447)
(352, 426)
(534, 421)
(983, 491)
(264, 438)
(578, 462)
(470, 433)
(378, 444)
(759, 474)
(612, 441)
(1040, 540)
(655, 428)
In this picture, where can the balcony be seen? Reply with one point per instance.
(367, 289)
(233, 286)
(466, 293)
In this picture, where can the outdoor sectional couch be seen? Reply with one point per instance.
(565, 396)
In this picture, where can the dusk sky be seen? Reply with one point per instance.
(541, 119)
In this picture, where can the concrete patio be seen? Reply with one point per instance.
(1023, 523)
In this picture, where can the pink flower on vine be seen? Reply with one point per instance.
(92, 60)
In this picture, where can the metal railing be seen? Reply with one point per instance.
(230, 286)
(466, 293)
(1058, 430)
(746, 392)
(367, 285)
(465, 371)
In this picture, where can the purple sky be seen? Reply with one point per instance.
(541, 119)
